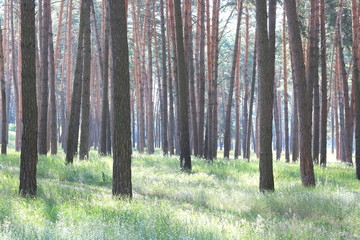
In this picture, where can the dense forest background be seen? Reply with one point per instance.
(204, 78)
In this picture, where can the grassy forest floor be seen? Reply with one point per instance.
(216, 201)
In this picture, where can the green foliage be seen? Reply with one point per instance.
(215, 201)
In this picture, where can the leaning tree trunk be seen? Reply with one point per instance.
(28, 159)
(306, 163)
(74, 121)
(227, 135)
(251, 104)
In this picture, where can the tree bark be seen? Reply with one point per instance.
(356, 82)
(185, 155)
(52, 110)
(251, 104)
(266, 85)
(227, 135)
(121, 81)
(286, 109)
(74, 121)
(68, 71)
(346, 140)
(201, 78)
(164, 105)
(324, 95)
(44, 98)
(105, 91)
(150, 102)
(15, 80)
(3, 98)
(306, 163)
(85, 101)
(246, 83)
(312, 77)
(28, 158)
(191, 74)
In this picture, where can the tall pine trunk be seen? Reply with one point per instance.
(227, 135)
(122, 185)
(52, 109)
(28, 158)
(266, 85)
(85, 101)
(185, 157)
(74, 120)
(164, 97)
(3, 98)
(324, 95)
(306, 163)
(286, 109)
(44, 96)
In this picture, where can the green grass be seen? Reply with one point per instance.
(216, 201)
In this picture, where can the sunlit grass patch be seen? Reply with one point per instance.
(218, 200)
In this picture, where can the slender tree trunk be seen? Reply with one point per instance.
(28, 158)
(170, 81)
(227, 135)
(251, 104)
(185, 157)
(74, 121)
(15, 80)
(246, 83)
(335, 102)
(201, 78)
(121, 81)
(44, 98)
(3, 98)
(52, 109)
(164, 105)
(237, 147)
(312, 77)
(306, 163)
(266, 85)
(356, 81)
(286, 109)
(175, 78)
(19, 60)
(68, 71)
(150, 103)
(277, 123)
(324, 95)
(346, 140)
(191, 72)
(105, 92)
(85, 101)
(215, 41)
